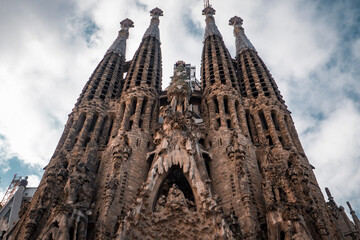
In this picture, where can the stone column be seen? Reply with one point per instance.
(222, 110)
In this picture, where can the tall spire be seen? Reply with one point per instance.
(119, 45)
(153, 29)
(242, 42)
(355, 218)
(211, 28)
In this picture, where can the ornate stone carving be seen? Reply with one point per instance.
(176, 145)
(121, 150)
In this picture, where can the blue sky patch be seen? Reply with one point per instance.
(192, 27)
(18, 167)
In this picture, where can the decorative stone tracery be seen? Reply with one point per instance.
(176, 147)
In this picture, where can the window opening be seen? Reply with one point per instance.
(263, 120)
(216, 105)
(226, 105)
(274, 118)
(133, 106)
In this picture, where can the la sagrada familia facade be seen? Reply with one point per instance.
(220, 161)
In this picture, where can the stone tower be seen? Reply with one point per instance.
(223, 162)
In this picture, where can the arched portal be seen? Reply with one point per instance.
(175, 187)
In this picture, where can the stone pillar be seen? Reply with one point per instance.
(212, 114)
(233, 114)
(84, 130)
(272, 129)
(138, 110)
(222, 110)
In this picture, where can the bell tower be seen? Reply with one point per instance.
(222, 161)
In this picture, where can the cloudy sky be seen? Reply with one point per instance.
(48, 49)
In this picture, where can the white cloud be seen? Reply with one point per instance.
(5, 154)
(33, 181)
(333, 148)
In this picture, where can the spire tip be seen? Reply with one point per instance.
(236, 21)
(156, 13)
(126, 24)
(349, 205)
(208, 11)
(328, 193)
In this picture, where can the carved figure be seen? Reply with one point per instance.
(175, 197)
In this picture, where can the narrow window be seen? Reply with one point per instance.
(282, 235)
(263, 120)
(228, 123)
(143, 106)
(270, 141)
(133, 106)
(252, 128)
(207, 163)
(130, 125)
(218, 122)
(274, 118)
(226, 105)
(216, 105)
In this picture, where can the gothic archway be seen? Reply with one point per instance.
(174, 182)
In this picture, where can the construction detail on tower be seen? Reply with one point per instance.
(216, 159)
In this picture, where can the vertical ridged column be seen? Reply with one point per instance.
(221, 110)
(278, 141)
(256, 84)
(136, 119)
(235, 121)
(227, 130)
(70, 177)
(138, 111)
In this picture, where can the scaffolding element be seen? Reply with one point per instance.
(14, 185)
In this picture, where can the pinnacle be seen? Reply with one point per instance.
(211, 28)
(126, 24)
(242, 42)
(153, 29)
(208, 11)
(156, 12)
(119, 45)
(236, 21)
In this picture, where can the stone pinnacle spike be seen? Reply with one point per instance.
(211, 28)
(241, 40)
(126, 24)
(119, 45)
(153, 29)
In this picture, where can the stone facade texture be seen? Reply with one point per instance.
(135, 162)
